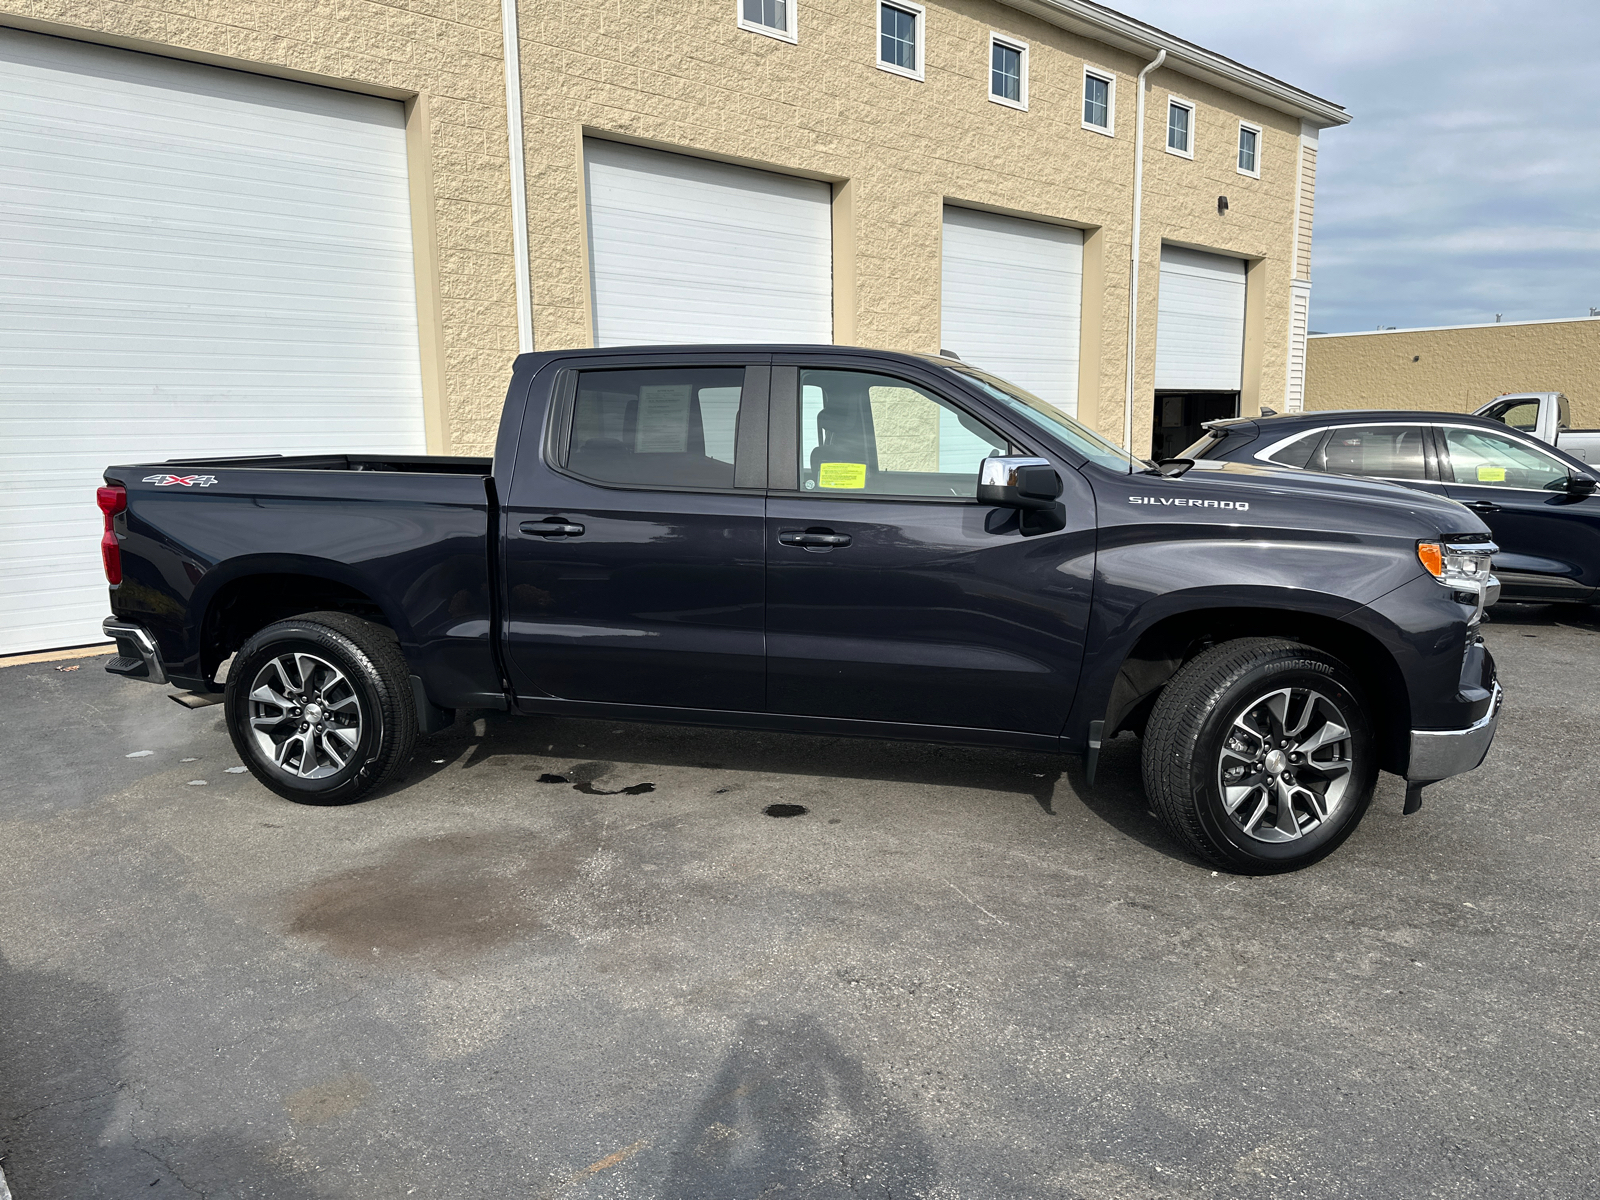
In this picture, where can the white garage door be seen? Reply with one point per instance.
(1200, 322)
(1011, 300)
(686, 250)
(192, 261)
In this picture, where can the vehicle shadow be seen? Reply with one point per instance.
(1575, 616)
(585, 752)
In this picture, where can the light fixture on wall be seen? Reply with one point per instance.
(1222, 205)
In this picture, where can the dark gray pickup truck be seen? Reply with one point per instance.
(823, 540)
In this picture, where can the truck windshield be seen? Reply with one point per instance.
(1053, 421)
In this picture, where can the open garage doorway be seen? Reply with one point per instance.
(1180, 419)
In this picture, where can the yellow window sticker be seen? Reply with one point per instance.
(1491, 474)
(842, 475)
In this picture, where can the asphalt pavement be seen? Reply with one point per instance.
(575, 959)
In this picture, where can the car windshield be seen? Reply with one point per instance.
(1053, 421)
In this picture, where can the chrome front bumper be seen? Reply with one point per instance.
(137, 657)
(1441, 753)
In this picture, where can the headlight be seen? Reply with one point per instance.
(1463, 567)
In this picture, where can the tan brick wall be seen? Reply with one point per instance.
(685, 76)
(1457, 370)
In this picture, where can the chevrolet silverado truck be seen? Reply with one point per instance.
(830, 541)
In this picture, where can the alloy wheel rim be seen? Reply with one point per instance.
(305, 716)
(1286, 764)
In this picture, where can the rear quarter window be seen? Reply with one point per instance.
(1298, 452)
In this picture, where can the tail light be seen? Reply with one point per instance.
(111, 500)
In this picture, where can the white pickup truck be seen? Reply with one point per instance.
(1546, 416)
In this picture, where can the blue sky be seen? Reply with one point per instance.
(1469, 182)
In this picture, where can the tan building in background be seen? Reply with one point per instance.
(1457, 368)
(287, 227)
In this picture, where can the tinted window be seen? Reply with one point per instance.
(1052, 420)
(673, 427)
(873, 434)
(1478, 456)
(1387, 451)
(1298, 452)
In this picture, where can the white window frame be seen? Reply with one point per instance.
(1109, 78)
(921, 15)
(1255, 129)
(1021, 47)
(790, 35)
(1166, 127)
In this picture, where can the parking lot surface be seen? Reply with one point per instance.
(576, 959)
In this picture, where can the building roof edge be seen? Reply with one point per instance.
(1126, 33)
(1447, 328)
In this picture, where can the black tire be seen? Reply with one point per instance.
(347, 759)
(1187, 751)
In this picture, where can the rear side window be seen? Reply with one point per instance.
(1298, 452)
(1385, 451)
(1520, 414)
(862, 433)
(672, 427)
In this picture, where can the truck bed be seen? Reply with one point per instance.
(425, 464)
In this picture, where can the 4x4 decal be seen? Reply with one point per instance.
(181, 480)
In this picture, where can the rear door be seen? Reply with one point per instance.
(634, 539)
(892, 595)
(1549, 541)
(1393, 451)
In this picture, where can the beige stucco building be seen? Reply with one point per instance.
(297, 226)
(1457, 368)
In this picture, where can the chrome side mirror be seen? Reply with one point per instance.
(1029, 485)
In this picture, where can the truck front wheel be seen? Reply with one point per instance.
(320, 708)
(1259, 756)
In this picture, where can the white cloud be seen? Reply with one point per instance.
(1468, 183)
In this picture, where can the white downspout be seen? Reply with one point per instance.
(519, 185)
(1133, 287)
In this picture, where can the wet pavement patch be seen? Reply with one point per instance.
(437, 898)
(638, 789)
(549, 778)
(786, 810)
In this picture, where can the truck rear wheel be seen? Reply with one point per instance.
(1259, 756)
(320, 708)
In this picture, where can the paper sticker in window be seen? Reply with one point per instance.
(663, 423)
(842, 475)
(1491, 474)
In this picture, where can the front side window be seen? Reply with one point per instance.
(671, 427)
(1480, 457)
(1519, 414)
(1381, 451)
(1097, 101)
(867, 434)
(772, 17)
(1249, 150)
(900, 38)
(1008, 72)
(1180, 119)
(1052, 420)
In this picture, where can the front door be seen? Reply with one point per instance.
(892, 595)
(633, 545)
(1549, 541)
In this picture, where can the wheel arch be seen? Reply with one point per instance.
(247, 595)
(1162, 649)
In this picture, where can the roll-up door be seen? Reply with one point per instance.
(1011, 300)
(1200, 322)
(192, 261)
(683, 249)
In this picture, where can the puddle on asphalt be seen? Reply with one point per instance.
(786, 810)
(436, 898)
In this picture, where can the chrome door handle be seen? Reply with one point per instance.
(810, 537)
(550, 529)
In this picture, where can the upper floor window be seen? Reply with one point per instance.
(1008, 71)
(900, 38)
(1250, 150)
(1180, 127)
(775, 18)
(1098, 90)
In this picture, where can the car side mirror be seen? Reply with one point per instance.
(1581, 483)
(1029, 485)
